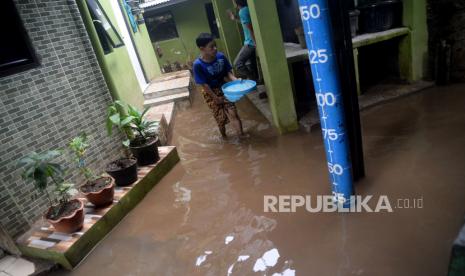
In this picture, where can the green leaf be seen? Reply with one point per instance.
(115, 119)
(38, 168)
(133, 111)
(112, 109)
(151, 124)
(27, 160)
(28, 173)
(109, 126)
(79, 144)
(64, 191)
(127, 121)
(145, 111)
(119, 104)
(40, 180)
(49, 155)
(56, 169)
(126, 143)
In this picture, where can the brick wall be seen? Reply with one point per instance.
(446, 20)
(45, 107)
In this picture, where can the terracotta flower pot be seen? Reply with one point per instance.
(70, 223)
(104, 196)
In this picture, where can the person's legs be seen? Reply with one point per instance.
(222, 129)
(218, 112)
(253, 64)
(235, 120)
(221, 118)
(239, 63)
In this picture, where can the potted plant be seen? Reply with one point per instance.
(140, 138)
(98, 190)
(65, 214)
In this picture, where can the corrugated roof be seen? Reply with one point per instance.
(153, 3)
(157, 4)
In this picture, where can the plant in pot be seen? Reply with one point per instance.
(65, 214)
(123, 171)
(140, 138)
(99, 190)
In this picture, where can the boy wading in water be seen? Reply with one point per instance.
(211, 70)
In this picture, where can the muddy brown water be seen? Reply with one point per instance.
(206, 216)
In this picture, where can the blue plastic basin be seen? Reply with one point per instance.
(235, 90)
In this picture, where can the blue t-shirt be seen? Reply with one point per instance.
(244, 16)
(212, 73)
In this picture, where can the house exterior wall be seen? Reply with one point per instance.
(191, 20)
(146, 52)
(116, 66)
(44, 107)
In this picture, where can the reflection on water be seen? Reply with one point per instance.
(269, 259)
(202, 258)
(182, 198)
(241, 258)
(228, 239)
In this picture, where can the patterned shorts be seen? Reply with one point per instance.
(219, 110)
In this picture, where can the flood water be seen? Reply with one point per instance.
(206, 216)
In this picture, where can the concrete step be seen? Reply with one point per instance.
(261, 104)
(171, 76)
(164, 114)
(184, 96)
(156, 112)
(165, 86)
(148, 95)
(18, 266)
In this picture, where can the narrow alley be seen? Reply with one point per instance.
(206, 216)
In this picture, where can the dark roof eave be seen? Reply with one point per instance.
(163, 5)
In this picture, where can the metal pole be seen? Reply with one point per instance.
(316, 21)
(342, 38)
